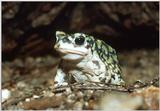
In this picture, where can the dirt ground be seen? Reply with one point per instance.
(30, 83)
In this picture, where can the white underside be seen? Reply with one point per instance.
(89, 66)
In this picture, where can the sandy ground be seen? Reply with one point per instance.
(30, 81)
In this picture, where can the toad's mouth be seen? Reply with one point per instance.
(67, 51)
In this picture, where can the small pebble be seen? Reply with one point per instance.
(18, 63)
(38, 59)
(48, 93)
(65, 83)
(21, 84)
(86, 104)
(58, 94)
(78, 106)
(27, 99)
(35, 96)
(68, 90)
(71, 96)
(80, 94)
(70, 101)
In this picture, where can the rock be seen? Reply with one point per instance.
(120, 101)
(78, 106)
(21, 84)
(35, 96)
(27, 99)
(6, 94)
(48, 93)
(151, 97)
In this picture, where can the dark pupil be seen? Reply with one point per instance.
(79, 40)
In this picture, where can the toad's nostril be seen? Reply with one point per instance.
(87, 46)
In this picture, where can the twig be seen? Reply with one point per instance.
(156, 79)
(79, 86)
(101, 88)
(142, 84)
(59, 90)
(107, 86)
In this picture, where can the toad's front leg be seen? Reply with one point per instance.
(60, 78)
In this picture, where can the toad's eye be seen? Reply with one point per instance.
(79, 40)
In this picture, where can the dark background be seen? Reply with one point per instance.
(28, 28)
